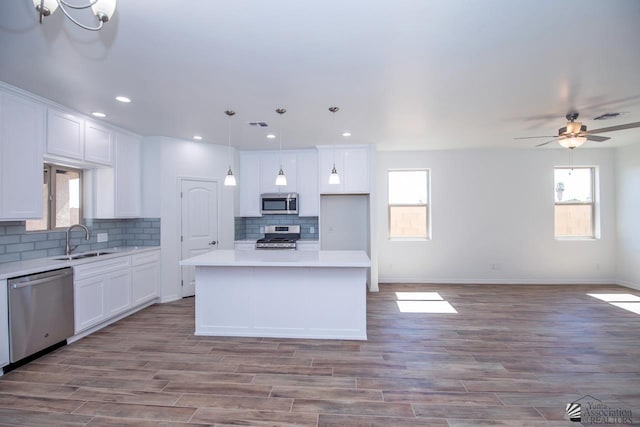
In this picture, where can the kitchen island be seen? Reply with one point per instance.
(281, 293)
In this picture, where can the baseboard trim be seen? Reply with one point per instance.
(449, 281)
(629, 285)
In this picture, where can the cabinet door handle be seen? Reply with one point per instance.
(213, 242)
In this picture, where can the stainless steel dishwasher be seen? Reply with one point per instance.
(40, 311)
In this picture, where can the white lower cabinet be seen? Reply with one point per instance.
(4, 325)
(117, 297)
(88, 302)
(105, 289)
(145, 276)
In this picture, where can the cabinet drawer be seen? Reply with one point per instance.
(101, 267)
(145, 258)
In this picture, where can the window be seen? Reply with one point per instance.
(408, 204)
(574, 202)
(61, 199)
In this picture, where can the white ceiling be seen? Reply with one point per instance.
(408, 74)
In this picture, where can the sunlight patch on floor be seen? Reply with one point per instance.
(423, 302)
(425, 307)
(418, 296)
(616, 297)
(626, 301)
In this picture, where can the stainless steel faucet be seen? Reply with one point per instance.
(68, 248)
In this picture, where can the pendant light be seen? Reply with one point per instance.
(229, 179)
(334, 178)
(281, 178)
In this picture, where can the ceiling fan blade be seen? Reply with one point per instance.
(597, 138)
(532, 137)
(619, 127)
(548, 142)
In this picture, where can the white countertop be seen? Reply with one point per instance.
(38, 265)
(279, 258)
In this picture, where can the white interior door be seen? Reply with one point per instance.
(199, 225)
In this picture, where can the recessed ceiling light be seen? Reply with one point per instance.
(197, 137)
(123, 99)
(346, 133)
(98, 114)
(271, 136)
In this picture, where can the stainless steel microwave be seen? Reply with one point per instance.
(279, 203)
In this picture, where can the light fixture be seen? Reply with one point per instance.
(123, 99)
(334, 178)
(271, 136)
(346, 133)
(98, 114)
(197, 137)
(281, 178)
(229, 179)
(102, 9)
(572, 141)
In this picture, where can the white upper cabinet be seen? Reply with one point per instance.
(65, 135)
(270, 165)
(98, 146)
(116, 192)
(352, 164)
(258, 170)
(128, 176)
(249, 184)
(73, 138)
(307, 182)
(21, 145)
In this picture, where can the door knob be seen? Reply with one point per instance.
(213, 242)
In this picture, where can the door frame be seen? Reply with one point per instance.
(180, 180)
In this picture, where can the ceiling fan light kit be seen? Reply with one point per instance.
(102, 9)
(574, 134)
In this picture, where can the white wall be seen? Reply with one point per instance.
(495, 207)
(168, 160)
(628, 215)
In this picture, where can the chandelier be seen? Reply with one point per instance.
(102, 9)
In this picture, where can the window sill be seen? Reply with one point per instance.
(576, 239)
(409, 239)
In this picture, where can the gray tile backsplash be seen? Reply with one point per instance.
(16, 244)
(252, 228)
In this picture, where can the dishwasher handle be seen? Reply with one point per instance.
(47, 278)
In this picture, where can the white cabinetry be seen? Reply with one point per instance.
(352, 163)
(102, 289)
(258, 170)
(116, 192)
(145, 276)
(270, 163)
(4, 325)
(65, 135)
(307, 183)
(249, 184)
(98, 143)
(71, 137)
(21, 146)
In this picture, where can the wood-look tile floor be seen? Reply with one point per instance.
(510, 356)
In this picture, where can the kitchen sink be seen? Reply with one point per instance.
(83, 255)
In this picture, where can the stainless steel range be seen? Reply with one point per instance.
(279, 237)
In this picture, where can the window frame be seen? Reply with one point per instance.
(593, 235)
(427, 206)
(50, 170)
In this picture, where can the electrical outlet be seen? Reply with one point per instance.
(495, 266)
(102, 237)
(312, 230)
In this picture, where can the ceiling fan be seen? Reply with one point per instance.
(574, 134)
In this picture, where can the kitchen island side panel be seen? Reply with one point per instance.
(281, 302)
